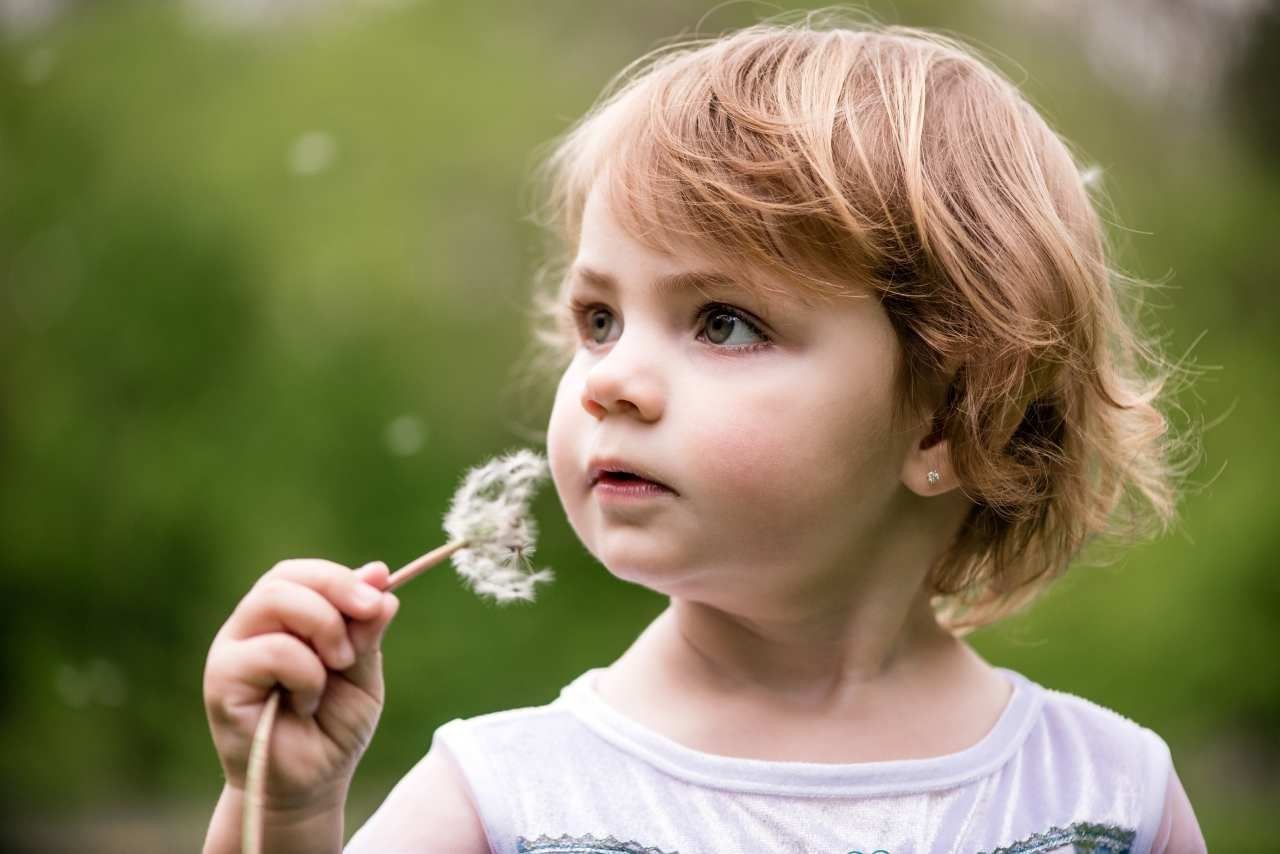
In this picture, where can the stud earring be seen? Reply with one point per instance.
(934, 477)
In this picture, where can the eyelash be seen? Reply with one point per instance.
(581, 310)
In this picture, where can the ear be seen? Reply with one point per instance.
(930, 452)
(923, 458)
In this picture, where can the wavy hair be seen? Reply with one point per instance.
(845, 157)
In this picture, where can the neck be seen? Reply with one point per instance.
(821, 637)
(837, 652)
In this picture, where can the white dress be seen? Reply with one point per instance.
(1055, 773)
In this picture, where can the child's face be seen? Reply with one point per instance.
(783, 467)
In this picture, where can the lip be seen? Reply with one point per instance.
(599, 465)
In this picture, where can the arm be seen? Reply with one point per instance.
(429, 810)
(1179, 832)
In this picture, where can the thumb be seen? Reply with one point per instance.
(366, 637)
(375, 573)
(367, 634)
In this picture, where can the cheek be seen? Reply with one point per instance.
(750, 468)
(783, 460)
(563, 446)
(741, 459)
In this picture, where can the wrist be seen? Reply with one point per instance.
(303, 808)
(311, 829)
(313, 825)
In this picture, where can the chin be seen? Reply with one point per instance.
(656, 569)
(645, 576)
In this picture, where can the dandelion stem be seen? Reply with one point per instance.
(419, 565)
(255, 778)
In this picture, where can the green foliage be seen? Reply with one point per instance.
(207, 356)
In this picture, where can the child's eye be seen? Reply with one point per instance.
(721, 323)
(593, 320)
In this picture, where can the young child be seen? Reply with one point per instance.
(845, 375)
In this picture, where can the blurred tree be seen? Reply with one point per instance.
(127, 329)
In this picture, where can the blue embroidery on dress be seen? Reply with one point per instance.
(588, 844)
(1080, 835)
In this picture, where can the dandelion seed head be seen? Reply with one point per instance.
(490, 511)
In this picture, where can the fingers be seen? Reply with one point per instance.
(282, 606)
(347, 590)
(266, 660)
(311, 599)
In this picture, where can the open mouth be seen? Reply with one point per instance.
(621, 477)
(628, 481)
(618, 476)
(627, 486)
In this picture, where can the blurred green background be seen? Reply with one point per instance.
(263, 277)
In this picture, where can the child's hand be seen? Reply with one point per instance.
(292, 628)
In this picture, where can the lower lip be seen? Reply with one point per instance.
(629, 490)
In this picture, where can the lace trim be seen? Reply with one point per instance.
(588, 844)
(1082, 835)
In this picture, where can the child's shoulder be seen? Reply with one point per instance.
(1083, 721)
(1078, 739)
(510, 732)
(515, 723)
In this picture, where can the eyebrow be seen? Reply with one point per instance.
(671, 283)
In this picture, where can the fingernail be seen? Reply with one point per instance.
(366, 596)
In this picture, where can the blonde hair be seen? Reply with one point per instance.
(846, 157)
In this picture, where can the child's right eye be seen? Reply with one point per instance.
(593, 320)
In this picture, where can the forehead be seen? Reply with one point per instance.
(611, 254)
(627, 239)
(665, 284)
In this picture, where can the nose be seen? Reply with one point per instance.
(624, 380)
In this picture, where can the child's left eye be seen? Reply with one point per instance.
(720, 322)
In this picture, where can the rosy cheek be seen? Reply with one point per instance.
(774, 455)
(746, 462)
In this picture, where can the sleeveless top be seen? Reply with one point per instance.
(1055, 773)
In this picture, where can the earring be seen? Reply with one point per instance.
(934, 477)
